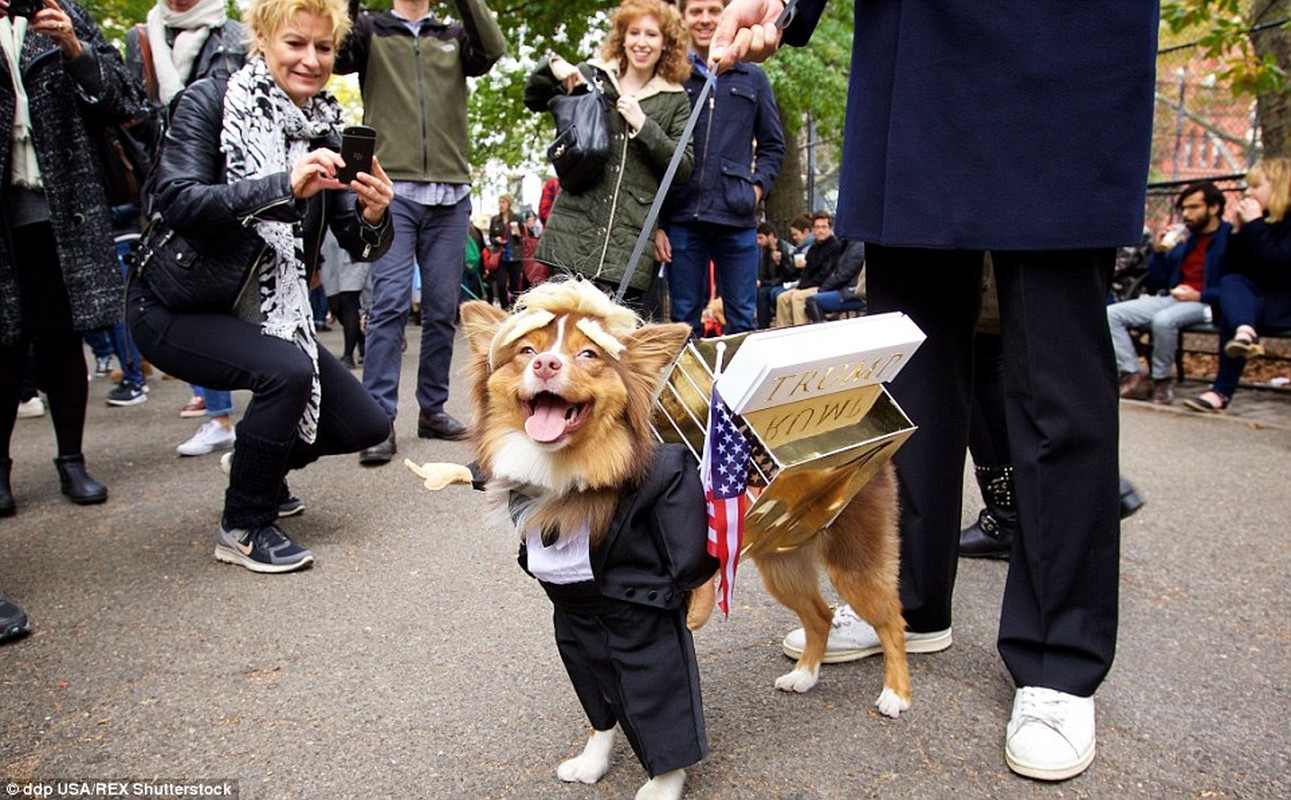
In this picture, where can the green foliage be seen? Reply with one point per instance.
(504, 131)
(809, 79)
(1225, 34)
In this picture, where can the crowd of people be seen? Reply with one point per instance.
(250, 160)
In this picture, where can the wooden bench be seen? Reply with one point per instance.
(1143, 341)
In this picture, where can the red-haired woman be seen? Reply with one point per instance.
(640, 69)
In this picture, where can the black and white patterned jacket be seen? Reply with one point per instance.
(66, 99)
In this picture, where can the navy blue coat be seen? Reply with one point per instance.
(742, 110)
(996, 124)
(1165, 270)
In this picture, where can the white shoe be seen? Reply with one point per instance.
(226, 463)
(851, 639)
(210, 437)
(35, 407)
(1050, 736)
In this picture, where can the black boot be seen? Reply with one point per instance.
(1130, 499)
(7, 508)
(992, 535)
(76, 483)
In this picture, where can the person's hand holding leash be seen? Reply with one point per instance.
(749, 30)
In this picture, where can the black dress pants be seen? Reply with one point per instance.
(634, 665)
(221, 351)
(1059, 615)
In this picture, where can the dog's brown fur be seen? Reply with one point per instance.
(859, 553)
(582, 480)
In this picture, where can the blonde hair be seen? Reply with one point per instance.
(674, 61)
(264, 18)
(1277, 173)
(610, 326)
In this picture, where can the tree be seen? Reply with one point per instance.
(506, 135)
(1253, 37)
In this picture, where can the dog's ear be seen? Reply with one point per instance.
(480, 322)
(653, 347)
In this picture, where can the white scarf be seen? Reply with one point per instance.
(174, 65)
(25, 170)
(265, 133)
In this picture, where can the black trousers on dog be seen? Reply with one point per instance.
(634, 665)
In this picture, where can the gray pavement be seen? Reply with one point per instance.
(416, 660)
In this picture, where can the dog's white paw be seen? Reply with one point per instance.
(800, 680)
(592, 764)
(890, 703)
(667, 786)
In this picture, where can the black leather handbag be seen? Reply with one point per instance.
(187, 278)
(582, 145)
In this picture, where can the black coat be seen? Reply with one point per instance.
(846, 269)
(822, 258)
(657, 546)
(996, 124)
(68, 100)
(188, 189)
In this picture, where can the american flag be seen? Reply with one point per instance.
(724, 470)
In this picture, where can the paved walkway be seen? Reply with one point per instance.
(415, 660)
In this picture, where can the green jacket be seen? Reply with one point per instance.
(414, 88)
(592, 234)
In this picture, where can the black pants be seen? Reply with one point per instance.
(988, 434)
(636, 666)
(1059, 617)
(47, 333)
(345, 307)
(220, 351)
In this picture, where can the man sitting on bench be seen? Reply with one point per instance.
(1185, 260)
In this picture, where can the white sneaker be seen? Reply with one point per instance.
(35, 407)
(210, 437)
(1050, 736)
(851, 639)
(226, 463)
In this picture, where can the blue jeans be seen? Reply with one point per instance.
(219, 403)
(734, 253)
(1243, 302)
(833, 303)
(1166, 316)
(122, 341)
(433, 238)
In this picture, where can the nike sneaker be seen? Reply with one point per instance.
(264, 549)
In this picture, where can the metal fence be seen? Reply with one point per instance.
(1201, 130)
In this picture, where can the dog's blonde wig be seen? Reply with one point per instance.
(604, 321)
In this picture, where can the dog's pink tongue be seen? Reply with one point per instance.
(547, 423)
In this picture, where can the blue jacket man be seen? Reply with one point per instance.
(739, 145)
(1190, 270)
(1165, 269)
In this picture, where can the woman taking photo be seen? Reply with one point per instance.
(253, 160)
(58, 265)
(1255, 287)
(640, 69)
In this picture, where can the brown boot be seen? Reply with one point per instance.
(1163, 391)
(1135, 386)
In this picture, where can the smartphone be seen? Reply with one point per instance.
(25, 8)
(357, 145)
